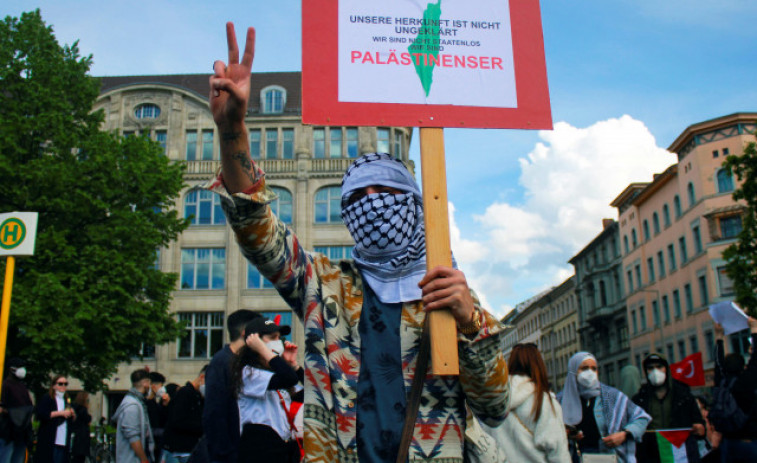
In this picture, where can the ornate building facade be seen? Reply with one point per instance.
(304, 166)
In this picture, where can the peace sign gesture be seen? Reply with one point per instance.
(230, 84)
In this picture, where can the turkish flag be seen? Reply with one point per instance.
(689, 370)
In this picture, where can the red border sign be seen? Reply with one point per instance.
(320, 104)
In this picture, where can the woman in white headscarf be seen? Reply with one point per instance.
(600, 418)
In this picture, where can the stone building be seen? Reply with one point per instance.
(674, 230)
(601, 302)
(303, 165)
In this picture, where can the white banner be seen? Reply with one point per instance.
(452, 52)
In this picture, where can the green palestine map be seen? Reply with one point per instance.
(427, 43)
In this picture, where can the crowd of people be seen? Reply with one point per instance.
(363, 392)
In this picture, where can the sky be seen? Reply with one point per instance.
(626, 77)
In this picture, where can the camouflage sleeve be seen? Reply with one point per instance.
(266, 241)
(483, 370)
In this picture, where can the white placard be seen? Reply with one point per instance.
(451, 52)
(18, 231)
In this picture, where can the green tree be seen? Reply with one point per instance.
(741, 256)
(91, 294)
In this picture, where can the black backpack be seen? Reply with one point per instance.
(725, 414)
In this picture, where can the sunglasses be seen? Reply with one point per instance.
(61, 383)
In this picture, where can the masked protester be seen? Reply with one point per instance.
(670, 404)
(264, 375)
(363, 319)
(599, 419)
(134, 440)
(15, 414)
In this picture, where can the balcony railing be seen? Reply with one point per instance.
(273, 166)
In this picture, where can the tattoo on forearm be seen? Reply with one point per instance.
(246, 163)
(230, 136)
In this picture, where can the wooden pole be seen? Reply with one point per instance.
(443, 329)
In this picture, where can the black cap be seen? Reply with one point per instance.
(16, 362)
(263, 325)
(655, 359)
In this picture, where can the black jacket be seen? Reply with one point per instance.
(80, 440)
(744, 391)
(685, 411)
(184, 426)
(220, 418)
(16, 421)
(48, 428)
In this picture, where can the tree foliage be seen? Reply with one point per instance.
(741, 256)
(91, 294)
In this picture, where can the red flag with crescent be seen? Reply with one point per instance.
(689, 370)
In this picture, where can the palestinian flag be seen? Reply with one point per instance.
(671, 444)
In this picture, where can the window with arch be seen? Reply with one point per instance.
(655, 223)
(634, 241)
(625, 243)
(282, 206)
(725, 181)
(692, 195)
(328, 205)
(147, 111)
(645, 226)
(203, 207)
(273, 99)
(666, 215)
(677, 205)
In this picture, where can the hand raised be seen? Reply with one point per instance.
(230, 83)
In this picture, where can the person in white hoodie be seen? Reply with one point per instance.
(533, 430)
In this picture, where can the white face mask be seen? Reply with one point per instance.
(20, 373)
(202, 390)
(656, 377)
(276, 346)
(161, 392)
(587, 379)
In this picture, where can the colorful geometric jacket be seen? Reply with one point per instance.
(327, 297)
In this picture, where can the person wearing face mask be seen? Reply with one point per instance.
(670, 404)
(16, 412)
(599, 418)
(134, 440)
(157, 409)
(184, 425)
(264, 375)
(364, 318)
(55, 417)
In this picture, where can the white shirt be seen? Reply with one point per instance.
(258, 405)
(60, 434)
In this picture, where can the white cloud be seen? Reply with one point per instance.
(570, 177)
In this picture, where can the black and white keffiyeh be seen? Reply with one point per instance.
(388, 229)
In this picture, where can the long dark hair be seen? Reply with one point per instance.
(245, 357)
(526, 360)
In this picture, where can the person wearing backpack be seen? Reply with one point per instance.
(670, 404)
(739, 382)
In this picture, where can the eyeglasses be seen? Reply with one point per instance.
(59, 383)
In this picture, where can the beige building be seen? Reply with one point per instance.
(303, 164)
(674, 230)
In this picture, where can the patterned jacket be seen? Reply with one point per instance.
(328, 299)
